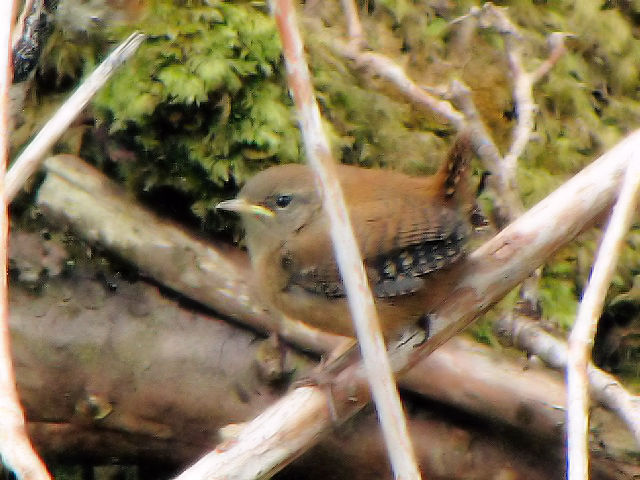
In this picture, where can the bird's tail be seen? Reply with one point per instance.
(454, 172)
(455, 180)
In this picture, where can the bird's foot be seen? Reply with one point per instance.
(323, 374)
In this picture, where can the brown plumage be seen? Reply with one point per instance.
(408, 229)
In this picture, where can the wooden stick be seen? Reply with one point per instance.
(584, 330)
(29, 160)
(15, 448)
(361, 305)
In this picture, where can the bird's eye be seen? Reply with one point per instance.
(283, 201)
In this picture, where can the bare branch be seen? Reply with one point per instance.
(527, 335)
(558, 49)
(15, 447)
(394, 73)
(348, 256)
(354, 27)
(584, 330)
(29, 160)
(491, 16)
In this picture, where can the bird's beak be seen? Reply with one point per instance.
(240, 205)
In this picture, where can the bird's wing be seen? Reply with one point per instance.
(397, 248)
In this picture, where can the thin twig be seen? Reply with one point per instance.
(29, 160)
(15, 448)
(349, 259)
(523, 82)
(394, 73)
(558, 49)
(584, 330)
(354, 27)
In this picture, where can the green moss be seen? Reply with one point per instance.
(209, 104)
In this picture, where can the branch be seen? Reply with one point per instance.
(523, 82)
(354, 27)
(348, 256)
(394, 73)
(528, 336)
(15, 448)
(584, 330)
(29, 160)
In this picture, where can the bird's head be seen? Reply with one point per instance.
(274, 205)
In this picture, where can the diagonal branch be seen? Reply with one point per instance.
(15, 448)
(527, 335)
(29, 160)
(348, 256)
(584, 330)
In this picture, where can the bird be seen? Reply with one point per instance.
(410, 231)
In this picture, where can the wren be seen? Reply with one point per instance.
(410, 230)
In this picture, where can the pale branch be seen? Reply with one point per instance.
(558, 49)
(524, 106)
(31, 157)
(15, 447)
(213, 274)
(584, 329)
(354, 27)
(348, 256)
(391, 71)
(523, 82)
(528, 336)
(482, 279)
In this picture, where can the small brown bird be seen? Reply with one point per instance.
(408, 229)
